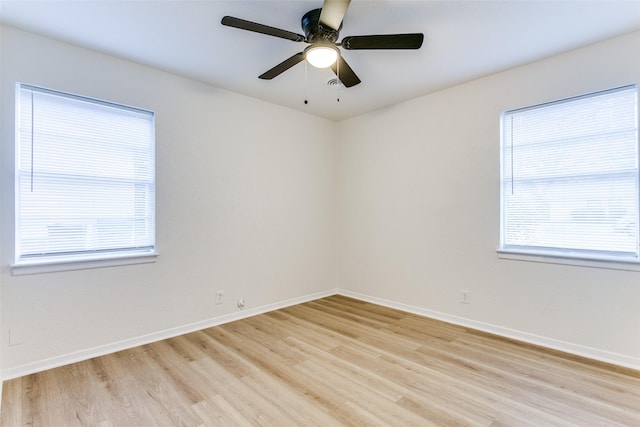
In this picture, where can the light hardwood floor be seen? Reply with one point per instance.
(330, 362)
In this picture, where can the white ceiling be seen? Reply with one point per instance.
(464, 40)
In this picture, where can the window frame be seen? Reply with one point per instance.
(89, 258)
(568, 256)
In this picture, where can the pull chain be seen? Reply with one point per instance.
(306, 83)
(338, 83)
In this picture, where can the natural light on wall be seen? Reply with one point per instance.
(85, 178)
(569, 177)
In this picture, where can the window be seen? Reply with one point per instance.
(85, 179)
(569, 177)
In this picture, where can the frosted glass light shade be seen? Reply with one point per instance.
(322, 56)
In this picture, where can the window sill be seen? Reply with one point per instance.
(613, 264)
(24, 268)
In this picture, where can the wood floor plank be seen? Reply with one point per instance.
(216, 411)
(299, 410)
(13, 397)
(336, 361)
(239, 397)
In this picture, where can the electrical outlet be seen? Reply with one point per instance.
(219, 297)
(241, 303)
(465, 296)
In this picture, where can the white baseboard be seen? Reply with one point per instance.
(54, 362)
(576, 349)
(65, 359)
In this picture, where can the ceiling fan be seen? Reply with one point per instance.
(322, 29)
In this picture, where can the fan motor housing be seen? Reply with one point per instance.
(315, 31)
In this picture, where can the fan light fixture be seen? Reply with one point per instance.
(321, 32)
(321, 55)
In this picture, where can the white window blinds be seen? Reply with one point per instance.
(85, 178)
(569, 177)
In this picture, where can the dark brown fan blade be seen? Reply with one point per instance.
(346, 76)
(384, 41)
(282, 67)
(333, 12)
(230, 21)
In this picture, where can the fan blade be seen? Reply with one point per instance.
(384, 41)
(282, 67)
(333, 12)
(346, 76)
(230, 21)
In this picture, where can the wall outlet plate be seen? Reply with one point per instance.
(464, 296)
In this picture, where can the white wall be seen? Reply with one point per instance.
(419, 204)
(251, 195)
(245, 203)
